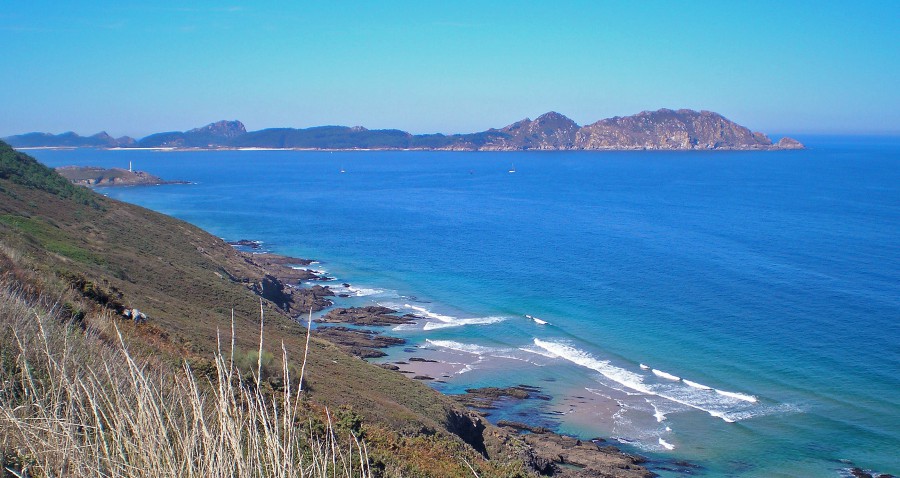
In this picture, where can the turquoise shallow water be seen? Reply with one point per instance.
(740, 310)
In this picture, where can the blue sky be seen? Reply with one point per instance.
(457, 66)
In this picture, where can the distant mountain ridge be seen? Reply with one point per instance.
(70, 139)
(663, 129)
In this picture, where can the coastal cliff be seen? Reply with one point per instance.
(663, 129)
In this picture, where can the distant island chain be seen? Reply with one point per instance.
(663, 129)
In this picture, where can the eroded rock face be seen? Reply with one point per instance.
(550, 131)
(669, 130)
(315, 298)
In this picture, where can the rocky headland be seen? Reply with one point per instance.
(92, 176)
(664, 129)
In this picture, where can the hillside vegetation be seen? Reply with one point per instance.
(67, 254)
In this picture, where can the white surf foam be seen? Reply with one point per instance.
(579, 357)
(461, 347)
(538, 351)
(644, 367)
(695, 384)
(467, 368)
(724, 416)
(666, 375)
(727, 406)
(666, 445)
(429, 314)
(364, 291)
(462, 322)
(657, 413)
(739, 396)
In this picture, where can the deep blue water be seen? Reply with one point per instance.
(768, 282)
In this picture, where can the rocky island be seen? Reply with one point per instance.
(664, 129)
(100, 177)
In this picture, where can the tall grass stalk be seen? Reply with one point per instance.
(72, 404)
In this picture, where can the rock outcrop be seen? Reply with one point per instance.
(789, 143)
(366, 316)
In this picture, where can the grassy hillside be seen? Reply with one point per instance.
(96, 257)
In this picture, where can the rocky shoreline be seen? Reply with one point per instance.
(351, 329)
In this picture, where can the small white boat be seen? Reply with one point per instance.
(512, 168)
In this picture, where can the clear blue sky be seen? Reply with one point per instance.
(454, 66)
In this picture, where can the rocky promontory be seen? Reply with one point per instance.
(99, 177)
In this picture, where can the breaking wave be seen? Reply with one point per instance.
(666, 375)
(725, 405)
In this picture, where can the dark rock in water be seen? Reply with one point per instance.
(366, 316)
(343, 295)
(361, 343)
(420, 359)
(389, 366)
(423, 377)
(568, 457)
(859, 473)
(277, 259)
(246, 243)
(486, 397)
(346, 285)
(530, 388)
(495, 393)
(519, 426)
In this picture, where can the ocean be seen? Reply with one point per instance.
(736, 310)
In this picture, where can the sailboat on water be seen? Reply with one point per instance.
(512, 168)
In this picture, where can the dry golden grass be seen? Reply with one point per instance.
(74, 404)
